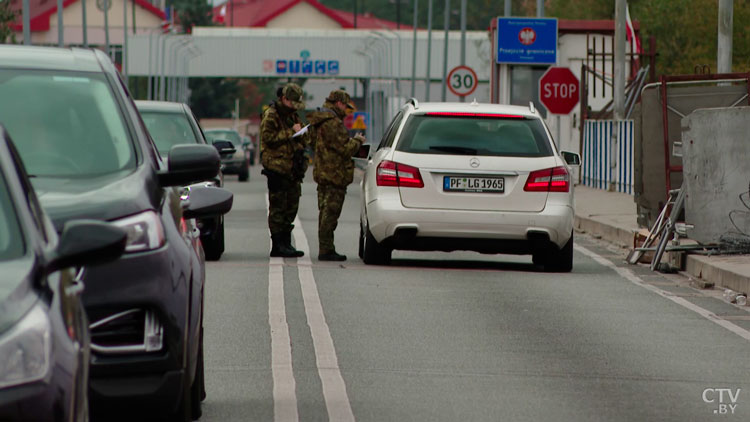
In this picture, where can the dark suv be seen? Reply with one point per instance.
(174, 123)
(89, 156)
(44, 333)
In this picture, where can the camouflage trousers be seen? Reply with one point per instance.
(330, 202)
(283, 202)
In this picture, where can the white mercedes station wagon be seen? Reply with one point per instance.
(468, 176)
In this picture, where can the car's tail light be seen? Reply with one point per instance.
(554, 179)
(390, 173)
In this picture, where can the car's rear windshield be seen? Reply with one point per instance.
(488, 135)
(11, 242)
(64, 123)
(168, 129)
(223, 135)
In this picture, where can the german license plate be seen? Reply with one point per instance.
(474, 184)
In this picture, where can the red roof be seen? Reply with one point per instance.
(257, 13)
(369, 21)
(41, 10)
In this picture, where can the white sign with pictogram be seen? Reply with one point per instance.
(462, 80)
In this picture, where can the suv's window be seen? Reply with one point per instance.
(64, 123)
(475, 135)
(11, 242)
(168, 129)
(223, 135)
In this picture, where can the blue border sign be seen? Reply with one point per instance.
(526, 40)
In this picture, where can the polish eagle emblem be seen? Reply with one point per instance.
(527, 36)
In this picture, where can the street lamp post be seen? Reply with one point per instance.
(60, 36)
(429, 50)
(447, 27)
(414, 51)
(26, 23)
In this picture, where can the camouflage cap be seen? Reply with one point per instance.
(340, 95)
(294, 93)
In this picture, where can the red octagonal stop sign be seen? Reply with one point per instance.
(558, 90)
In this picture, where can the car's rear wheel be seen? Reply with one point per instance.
(373, 253)
(560, 261)
(243, 175)
(213, 246)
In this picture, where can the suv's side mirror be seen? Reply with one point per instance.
(205, 202)
(571, 158)
(363, 152)
(87, 242)
(224, 147)
(189, 164)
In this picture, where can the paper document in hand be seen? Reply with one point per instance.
(301, 132)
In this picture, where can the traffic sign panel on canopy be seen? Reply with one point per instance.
(559, 90)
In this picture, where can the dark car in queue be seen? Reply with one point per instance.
(83, 143)
(239, 162)
(44, 333)
(170, 124)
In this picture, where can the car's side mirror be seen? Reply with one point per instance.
(571, 158)
(224, 147)
(205, 201)
(87, 242)
(190, 163)
(363, 152)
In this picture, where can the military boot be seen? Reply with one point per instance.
(279, 247)
(331, 256)
(288, 243)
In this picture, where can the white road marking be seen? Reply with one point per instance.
(676, 299)
(284, 394)
(334, 388)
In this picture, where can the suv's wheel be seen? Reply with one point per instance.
(198, 389)
(373, 253)
(184, 411)
(361, 248)
(243, 175)
(561, 261)
(213, 246)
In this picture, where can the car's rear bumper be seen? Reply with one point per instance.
(489, 231)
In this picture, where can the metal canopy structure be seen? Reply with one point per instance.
(381, 60)
(247, 52)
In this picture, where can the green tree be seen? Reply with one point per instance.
(213, 97)
(209, 97)
(7, 17)
(192, 13)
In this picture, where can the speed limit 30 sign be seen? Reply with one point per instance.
(462, 80)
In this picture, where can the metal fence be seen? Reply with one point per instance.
(607, 161)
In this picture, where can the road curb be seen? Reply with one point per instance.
(725, 271)
(620, 236)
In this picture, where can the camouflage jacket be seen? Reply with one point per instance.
(333, 147)
(277, 147)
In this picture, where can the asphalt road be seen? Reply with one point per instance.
(457, 337)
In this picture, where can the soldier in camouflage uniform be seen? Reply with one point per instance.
(333, 166)
(284, 164)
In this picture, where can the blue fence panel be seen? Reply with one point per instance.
(597, 155)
